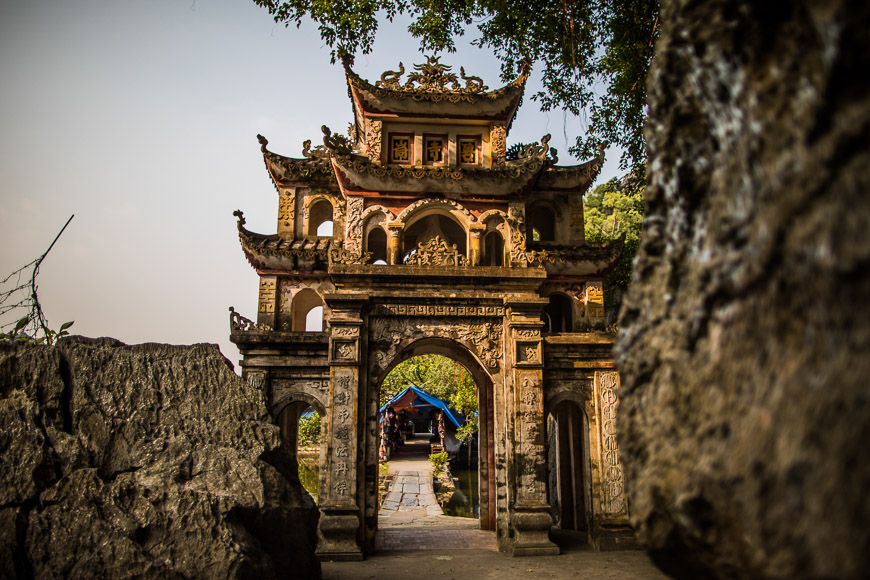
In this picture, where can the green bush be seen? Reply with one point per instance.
(439, 460)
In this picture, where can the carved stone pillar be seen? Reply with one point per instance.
(529, 511)
(394, 244)
(339, 528)
(476, 253)
(267, 303)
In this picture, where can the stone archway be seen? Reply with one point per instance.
(486, 444)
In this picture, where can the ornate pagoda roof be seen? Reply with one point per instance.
(594, 259)
(356, 173)
(272, 252)
(432, 90)
(313, 167)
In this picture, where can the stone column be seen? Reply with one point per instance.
(340, 525)
(530, 518)
(394, 244)
(476, 252)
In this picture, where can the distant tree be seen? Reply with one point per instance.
(595, 54)
(309, 429)
(438, 375)
(611, 210)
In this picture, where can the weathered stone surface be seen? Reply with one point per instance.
(150, 461)
(745, 414)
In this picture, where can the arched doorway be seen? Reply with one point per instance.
(485, 438)
(301, 424)
(569, 490)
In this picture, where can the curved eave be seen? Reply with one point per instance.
(588, 260)
(574, 178)
(288, 171)
(359, 175)
(272, 252)
(497, 105)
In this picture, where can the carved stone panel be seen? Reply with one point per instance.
(613, 496)
(342, 476)
(529, 436)
(482, 337)
(528, 353)
(344, 351)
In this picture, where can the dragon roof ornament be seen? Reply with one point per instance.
(432, 77)
(435, 82)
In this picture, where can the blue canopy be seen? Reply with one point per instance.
(414, 398)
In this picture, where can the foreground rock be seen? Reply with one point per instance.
(745, 414)
(148, 461)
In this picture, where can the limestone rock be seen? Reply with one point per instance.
(151, 461)
(745, 351)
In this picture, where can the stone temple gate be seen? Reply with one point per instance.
(442, 241)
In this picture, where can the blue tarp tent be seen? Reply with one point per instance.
(414, 398)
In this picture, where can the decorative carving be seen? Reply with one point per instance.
(611, 468)
(318, 152)
(577, 216)
(312, 168)
(345, 350)
(432, 77)
(517, 223)
(353, 240)
(527, 332)
(595, 300)
(339, 255)
(345, 331)
(440, 310)
(484, 336)
(335, 144)
(436, 252)
(256, 379)
(498, 143)
(266, 302)
(286, 206)
(240, 323)
(431, 202)
(373, 140)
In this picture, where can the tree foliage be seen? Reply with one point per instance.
(594, 54)
(439, 376)
(309, 429)
(611, 210)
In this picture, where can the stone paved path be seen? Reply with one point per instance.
(410, 517)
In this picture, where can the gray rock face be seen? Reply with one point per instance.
(745, 352)
(148, 461)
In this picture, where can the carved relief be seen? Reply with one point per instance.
(498, 143)
(517, 224)
(266, 302)
(339, 255)
(353, 237)
(256, 379)
(577, 217)
(387, 335)
(528, 353)
(286, 206)
(409, 211)
(527, 332)
(432, 77)
(344, 351)
(342, 432)
(345, 331)
(373, 140)
(595, 299)
(611, 466)
(440, 310)
(437, 252)
(529, 434)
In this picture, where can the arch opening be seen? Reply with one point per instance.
(376, 243)
(320, 219)
(557, 314)
(493, 249)
(428, 227)
(569, 490)
(541, 224)
(301, 425)
(307, 312)
(477, 390)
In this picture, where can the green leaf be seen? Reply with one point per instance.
(66, 325)
(21, 324)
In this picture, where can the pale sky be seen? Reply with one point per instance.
(140, 117)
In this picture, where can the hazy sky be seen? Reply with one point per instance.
(140, 117)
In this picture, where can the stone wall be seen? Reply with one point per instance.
(149, 460)
(745, 351)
